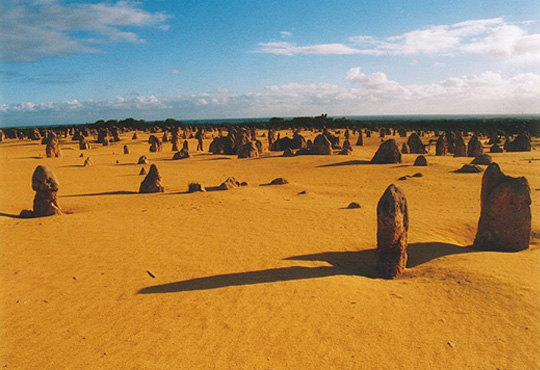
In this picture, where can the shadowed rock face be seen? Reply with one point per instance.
(142, 160)
(388, 152)
(298, 142)
(415, 144)
(470, 168)
(420, 161)
(484, 159)
(182, 154)
(522, 143)
(222, 145)
(282, 143)
(229, 184)
(405, 149)
(392, 227)
(46, 185)
(321, 145)
(474, 148)
(126, 149)
(495, 149)
(83, 143)
(360, 141)
(441, 148)
(460, 149)
(248, 150)
(505, 218)
(288, 153)
(155, 144)
(152, 182)
(88, 162)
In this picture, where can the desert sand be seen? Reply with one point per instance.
(259, 277)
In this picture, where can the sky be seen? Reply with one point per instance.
(64, 62)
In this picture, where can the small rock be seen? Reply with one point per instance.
(484, 159)
(420, 161)
(470, 168)
(195, 187)
(279, 181)
(354, 205)
(418, 174)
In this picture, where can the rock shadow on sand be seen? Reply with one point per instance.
(355, 162)
(119, 192)
(361, 263)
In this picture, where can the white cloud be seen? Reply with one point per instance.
(289, 48)
(31, 30)
(494, 37)
(285, 34)
(368, 94)
(175, 71)
(489, 37)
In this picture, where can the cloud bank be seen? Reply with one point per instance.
(367, 94)
(31, 30)
(494, 37)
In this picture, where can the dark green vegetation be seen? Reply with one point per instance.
(498, 125)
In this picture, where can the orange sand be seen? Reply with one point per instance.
(259, 277)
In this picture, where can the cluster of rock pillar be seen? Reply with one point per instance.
(504, 224)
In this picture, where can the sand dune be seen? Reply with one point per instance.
(260, 277)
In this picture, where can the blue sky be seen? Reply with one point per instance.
(70, 62)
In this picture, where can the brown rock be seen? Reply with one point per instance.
(460, 149)
(229, 184)
(142, 171)
(360, 141)
(392, 227)
(152, 182)
(354, 205)
(321, 145)
(279, 181)
(142, 160)
(195, 187)
(135, 136)
(83, 143)
(420, 161)
(495, 149)
(405, 149)
(415, 144)
(288, 153)
(505, 218)
(484, 159)
(182, 154)
(46, 185)
(470, 168)
(88, 162)
(474, 148)
(441, 148)
(522, 143)
(52, 150)
(155, 144)
(248, 150)
(126, 149)
(388, 152)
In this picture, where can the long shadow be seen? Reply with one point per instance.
(120, 192)
(10, 215)
(361, 263)
(346, 163)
